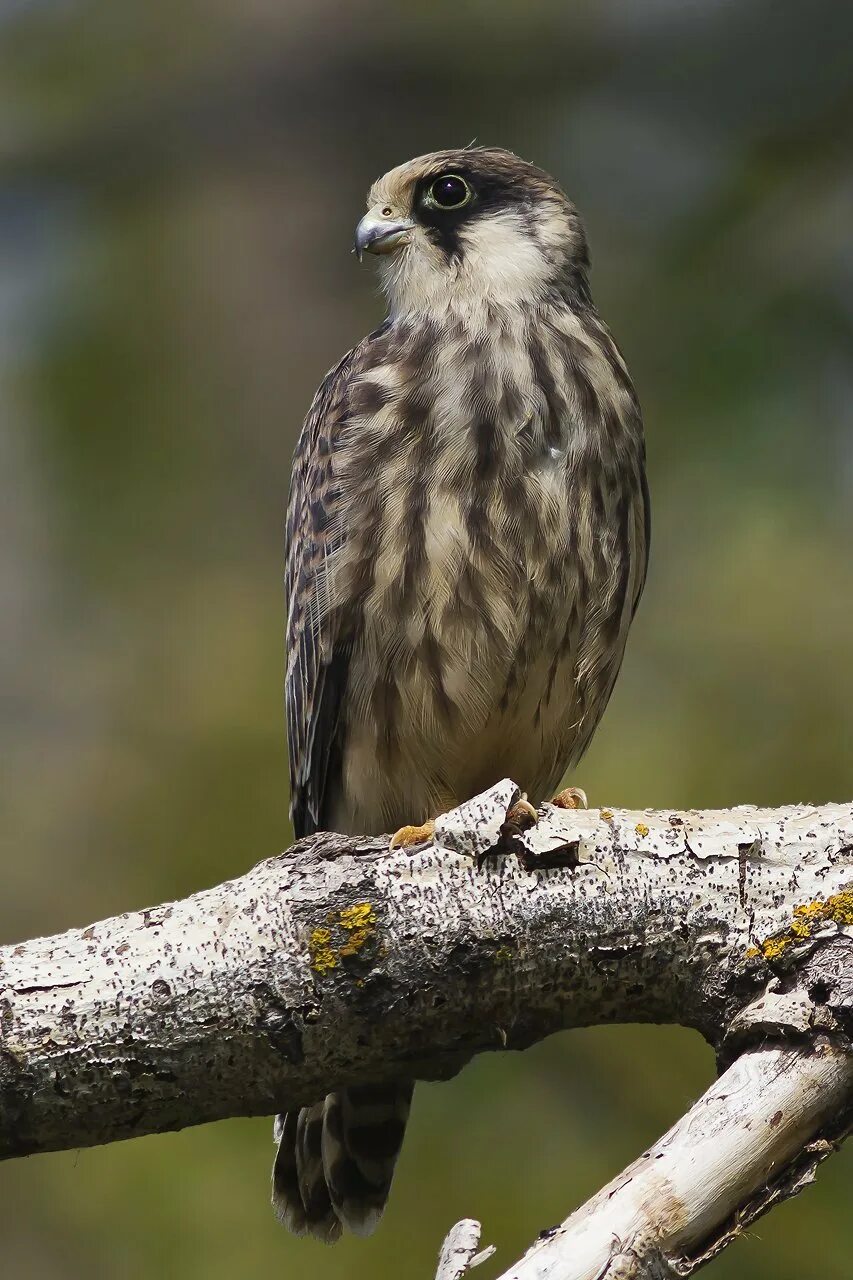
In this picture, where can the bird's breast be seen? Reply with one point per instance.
(481, 473)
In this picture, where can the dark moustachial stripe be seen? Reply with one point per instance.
(496, 186)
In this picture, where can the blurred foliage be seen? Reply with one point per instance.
(178, 186)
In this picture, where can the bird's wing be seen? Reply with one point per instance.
(643, 534)
(319, 627)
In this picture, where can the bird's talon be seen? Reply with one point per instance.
(522, 814)
(570, 798)
(408, 837)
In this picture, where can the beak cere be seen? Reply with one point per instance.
(375, 234)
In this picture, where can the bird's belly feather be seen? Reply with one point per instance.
(473, 678)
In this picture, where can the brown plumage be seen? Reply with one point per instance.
(467, 543)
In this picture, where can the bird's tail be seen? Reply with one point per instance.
(336, 1159)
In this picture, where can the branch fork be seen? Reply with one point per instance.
(342, 962)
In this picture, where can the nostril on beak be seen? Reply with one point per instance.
(379, 234)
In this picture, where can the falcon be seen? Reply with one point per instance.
(467, 541)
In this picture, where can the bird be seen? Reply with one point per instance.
(467, 544)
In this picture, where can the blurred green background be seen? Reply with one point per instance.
(178, 187)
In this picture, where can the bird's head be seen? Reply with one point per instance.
(471, 226)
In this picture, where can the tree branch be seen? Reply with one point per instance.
(341, 962)
(746, 1144)
(459, 1252)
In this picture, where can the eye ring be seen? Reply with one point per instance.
(449, 192)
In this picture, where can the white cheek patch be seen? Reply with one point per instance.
(503, 261)
(503, 257)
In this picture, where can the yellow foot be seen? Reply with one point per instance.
(408, 837)
(522, 814)
(570, 798)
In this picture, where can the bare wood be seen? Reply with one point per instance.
(341, 962)
(459, 1252)
(724, 1163)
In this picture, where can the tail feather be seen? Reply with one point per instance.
(300, 1195)
(336, 1160)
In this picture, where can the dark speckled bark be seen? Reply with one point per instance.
(340, 962)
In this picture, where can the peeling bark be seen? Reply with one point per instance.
(340, 962)
(459, 1252)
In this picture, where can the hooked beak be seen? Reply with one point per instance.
(375, 234)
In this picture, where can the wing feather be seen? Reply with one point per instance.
(319, 629)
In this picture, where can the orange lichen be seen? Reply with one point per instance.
(808, 916)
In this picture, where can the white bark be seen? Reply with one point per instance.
(459, 1252)
(721, 1165)
(342, 962)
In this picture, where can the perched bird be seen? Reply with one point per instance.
(468, 534)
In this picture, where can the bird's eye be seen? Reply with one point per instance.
(448, 192)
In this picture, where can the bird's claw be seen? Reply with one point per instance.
(570, 798)
(410, 836)
(521, 814)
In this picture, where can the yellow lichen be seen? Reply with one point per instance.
(503, 955)
(836, 909)
(357, 924)
(641, 829)
(607, 814)
(772, 948)
(323, 957)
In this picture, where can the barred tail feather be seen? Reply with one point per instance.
(300, 1196)
(336, 1160)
